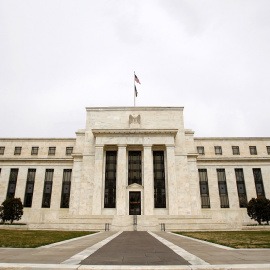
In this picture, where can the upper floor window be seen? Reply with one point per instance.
(200, 150)
(235, 150)
(2, 150)
(17, 150)
(218, 150)
(34, 150)
(253, 150)
(268, 150)
(69, 151)
(51, 151)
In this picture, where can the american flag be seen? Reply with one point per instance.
(136, 92)
(136, 79)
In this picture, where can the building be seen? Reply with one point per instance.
(135, 165)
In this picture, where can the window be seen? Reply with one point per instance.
(29, 187)
(268, 150)
(34, 150)
(134, 167)
(159, 179)
(222, 187)
(253, 150)
(2, 150)
(47, 191)
(17, 150)
(235, 150)
(12, 183)
(241, 188)
(110, 180)
(51, 151)
(258, 182)
(66, 184)
(200, 150)
(204, 191)
(69, 151)
(218, 150)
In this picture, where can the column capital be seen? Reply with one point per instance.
(99, 145)
(122, 145)
(147, 145)
(170, 145)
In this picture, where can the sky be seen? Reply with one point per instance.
(59, 56)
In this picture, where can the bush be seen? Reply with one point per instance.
(11, 209)
(259, 209)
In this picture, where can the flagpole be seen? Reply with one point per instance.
(134, 90)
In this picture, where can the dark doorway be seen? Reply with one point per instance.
(134, 202)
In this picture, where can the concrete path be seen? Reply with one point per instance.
(218, 255)
(134, 248)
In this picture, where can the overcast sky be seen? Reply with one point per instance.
(59, 56)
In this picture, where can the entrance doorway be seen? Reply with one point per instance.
(134, 202)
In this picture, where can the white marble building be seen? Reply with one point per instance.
(135, 160)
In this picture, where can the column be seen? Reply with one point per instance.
(121, 180)
(148, 180)
(171, 180)
(98, 180)
(75, 192)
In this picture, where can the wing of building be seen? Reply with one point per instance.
(135, 162)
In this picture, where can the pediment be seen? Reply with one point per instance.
(134, 186)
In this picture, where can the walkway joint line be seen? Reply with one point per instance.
(77, 258)
(191, 258)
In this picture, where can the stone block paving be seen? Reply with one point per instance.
(134, 248)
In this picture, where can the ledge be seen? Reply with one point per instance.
(233, 159)
(134, 131)
(134, 108)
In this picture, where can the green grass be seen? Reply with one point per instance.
(32, 239)
(234, 239)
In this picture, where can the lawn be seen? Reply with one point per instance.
(234, 239)
(32, 239)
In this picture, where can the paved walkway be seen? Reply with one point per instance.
(134, 250)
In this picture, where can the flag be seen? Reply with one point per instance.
(136, 79)
(136, 92)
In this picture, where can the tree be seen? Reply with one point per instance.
(259, 209)
(11, 209)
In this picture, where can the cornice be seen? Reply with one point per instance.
(232, 138)
(134, 108)
(134, 131)
(38, 139)
(234, 159)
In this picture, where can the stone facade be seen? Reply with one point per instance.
(198, 187)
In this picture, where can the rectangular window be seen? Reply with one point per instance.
(69, 151)
(34, 150)
(47, 191)
(17, 150)
(235, 150)
(241, 187)
(222, 187)
(2, 150)
(12, 183)
(268, 150)
(253, 150)
(159, 179)
(29, 187)
(134, 167)
(204, 190)
(110, 180)
(258, 182)
(200, 150)
(51, 151)
(66, 184)
(218, 150)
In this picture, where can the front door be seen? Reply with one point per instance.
(134, 202)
